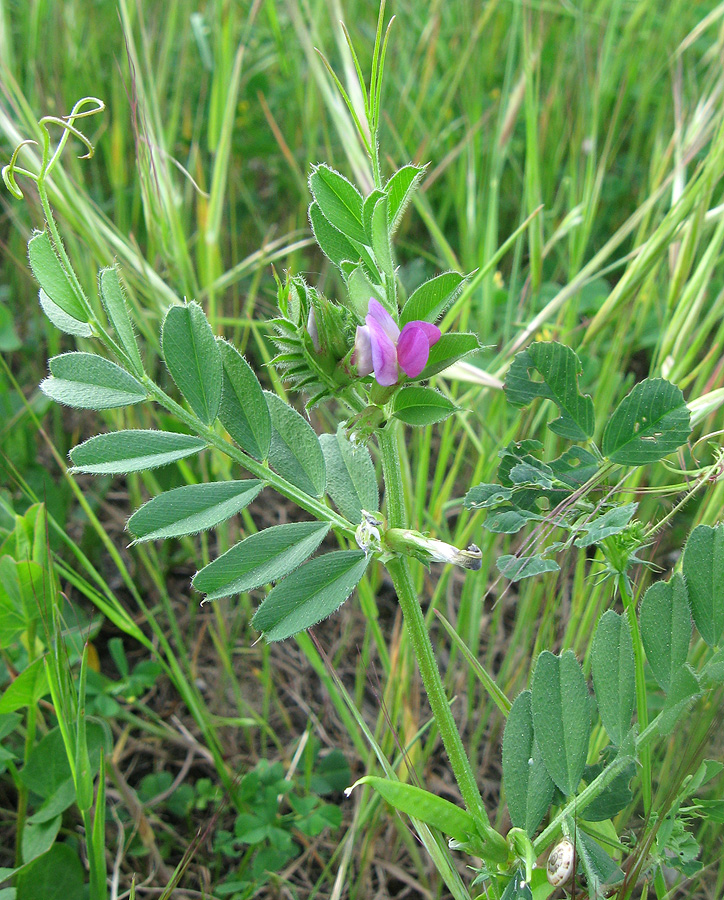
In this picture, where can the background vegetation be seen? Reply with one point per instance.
(598, 112)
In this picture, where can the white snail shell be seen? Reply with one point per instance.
(561, 863)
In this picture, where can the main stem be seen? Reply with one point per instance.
(415, 622)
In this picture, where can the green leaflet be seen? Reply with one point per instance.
(558, 367)
(432, 298)
(52, 277)
(561, 717)
(26, 689)
(614, 677)
(310, 594)
(612, 522)
(57, 875)
(134, 450)
(295, 452)
(449, 349)
(435, 811)
(191, 508)
(87, 381)
(381, 241)
(339, 201)
(518, 567)
(262, 557)
(683, 690)
(193, 358)
(703, 568)
(331, 241)
(351, 478)
(648, 424)
(399, 190)
(62, 321)
(243, 411)
(528, 786)
(420, 406)
(665, 624)
(109, 287)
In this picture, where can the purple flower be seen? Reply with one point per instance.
(381, 347)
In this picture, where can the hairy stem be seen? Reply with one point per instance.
(415, 622)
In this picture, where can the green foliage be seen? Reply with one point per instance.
(528, 786)
(419, 406)
(351, 478)
(135, 450)
(260, 558)
(191, 508)
(87, 381)
(243, 411)
(703, 569)
(559, 368)
(313, 592)
(295, 451)
(561, 718)
(52, 277)
(193, 358)
(614, 677)
(647, 425)
(666, 628)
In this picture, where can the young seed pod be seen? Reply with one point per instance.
(561, 863)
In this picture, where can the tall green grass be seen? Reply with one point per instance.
(604, 118)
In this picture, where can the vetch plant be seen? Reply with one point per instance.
(563, 758)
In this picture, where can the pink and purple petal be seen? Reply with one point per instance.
(362, 356)
(377, 311)
(432, 331)
(413, 349)
(384, 355)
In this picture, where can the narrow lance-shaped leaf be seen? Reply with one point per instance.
(243, 411)
(665, 623)
(134, 450)
(431, 299)
(614, 677)
(648, 424)
(60, 318)
(561, 717)
(339, 200)
(429, 808)
(191, 508)
(351, 479)
(331, 241)
(117, 311)
(381, 241)
(52, 277)
(262, 557)
(528, 786)
(310, 594)
(399, 190)
(703, 567)
(87, 381)
(558, 368)
(193, 359)
(295, 452)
